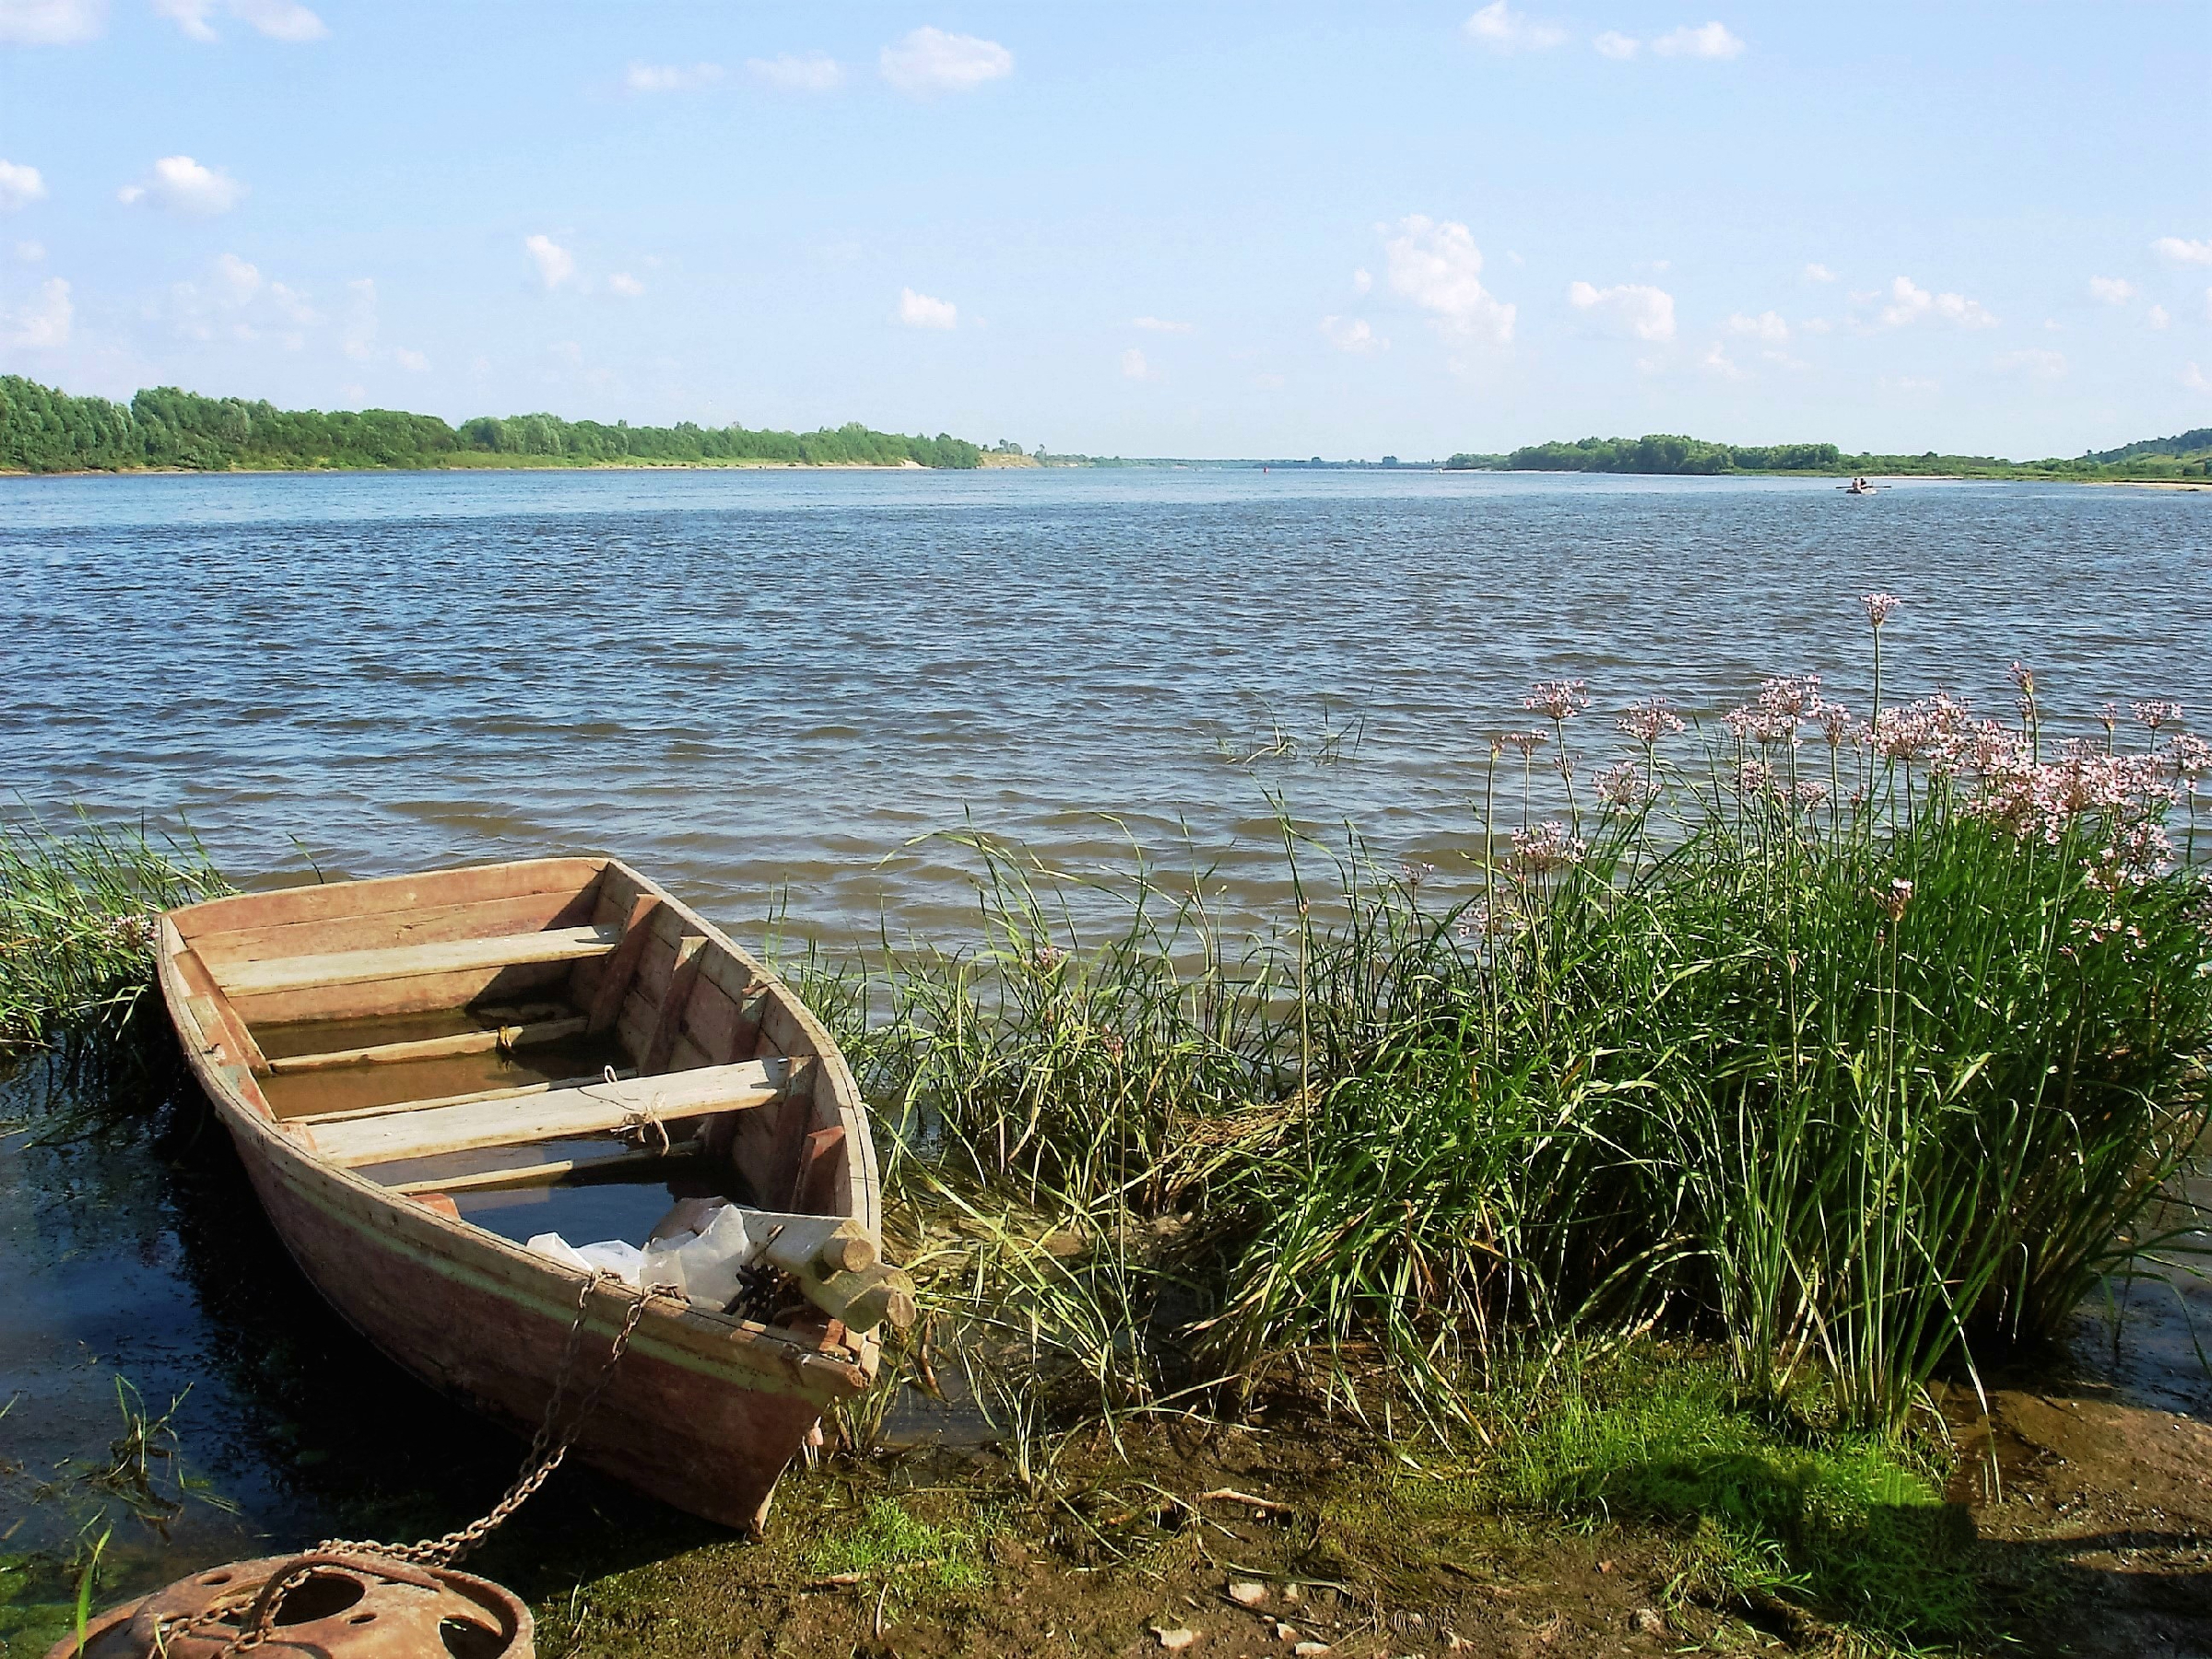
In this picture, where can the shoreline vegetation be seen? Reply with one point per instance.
(1680, 1169)
(46, 431)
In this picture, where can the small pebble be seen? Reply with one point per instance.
(1246, 1593)
(1648, 1623)
(1307, 1650)
(1176, 1640)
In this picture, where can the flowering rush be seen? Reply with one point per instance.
(1879, 607)
(1551, 846)
(1558, 700)
(1649, 721)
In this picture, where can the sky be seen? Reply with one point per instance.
(1144, 230)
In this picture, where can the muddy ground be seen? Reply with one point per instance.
(2090, 1534)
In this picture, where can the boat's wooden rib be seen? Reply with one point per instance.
(585, 1109)
(504, 1039)
(615, 971)
(413, 961)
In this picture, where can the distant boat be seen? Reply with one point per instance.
(378, 1049)
(1858, 487)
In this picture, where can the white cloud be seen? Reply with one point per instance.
(1817, 272)
(278, 19)
(1816, 325)
(1638, 309)
(234, 301)
(51, 23)
(2195, 379)
(1361, 280)
(1767, 325)
(2208, 305)
(2181, 251)
(1133, 366)
(183, 185)
(919, 310)
(1617, 46)
(556, 264)
(189, 16)
(1353, 334)
(2036, 364)
(929, 60)
(798, 72)
(30, 252)
(1269, 383)
(624, 284)
(20, 185)
(670, 77)
(240, 281)
(2113, 291)
(1502, 29)
(1909, 303)
(2158, 316)
(414, 362)
(1437, 265)
(1715, 361)
(1704, 41)
(43, 324)
(1161, 325)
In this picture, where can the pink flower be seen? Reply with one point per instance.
(1625, 785)
(1649, 721)
(1754, 778)
(2156, 714)
(1528, 743)
(2190, 755)
(1549, 846)
(1879, 607)
(1835, 722)
(1558, 700)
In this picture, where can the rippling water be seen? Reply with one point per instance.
(749, 681)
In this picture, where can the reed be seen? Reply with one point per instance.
(1864, 1046)
(79, 914)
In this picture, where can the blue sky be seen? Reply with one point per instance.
(1146, 230)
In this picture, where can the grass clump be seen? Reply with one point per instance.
(885, 1539)
(1865, 1046)
(79, 917)
(1764, 1504)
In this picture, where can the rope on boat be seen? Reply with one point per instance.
(413, 1563)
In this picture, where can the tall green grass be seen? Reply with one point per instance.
(79, 916)
(1866, 1057)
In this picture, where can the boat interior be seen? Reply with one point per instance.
(550, 1046)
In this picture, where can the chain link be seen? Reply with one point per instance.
(402, 1563)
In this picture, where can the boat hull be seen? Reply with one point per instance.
(704, 1411)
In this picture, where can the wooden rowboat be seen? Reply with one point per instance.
(406, 1065)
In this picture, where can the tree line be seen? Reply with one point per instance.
(2185, 455)
(45, 429)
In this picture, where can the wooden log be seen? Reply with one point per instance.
(555, 1115)
(452, 955)
(434, 1048)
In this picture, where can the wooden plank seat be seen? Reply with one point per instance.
(410, 961)
(554, 1114)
